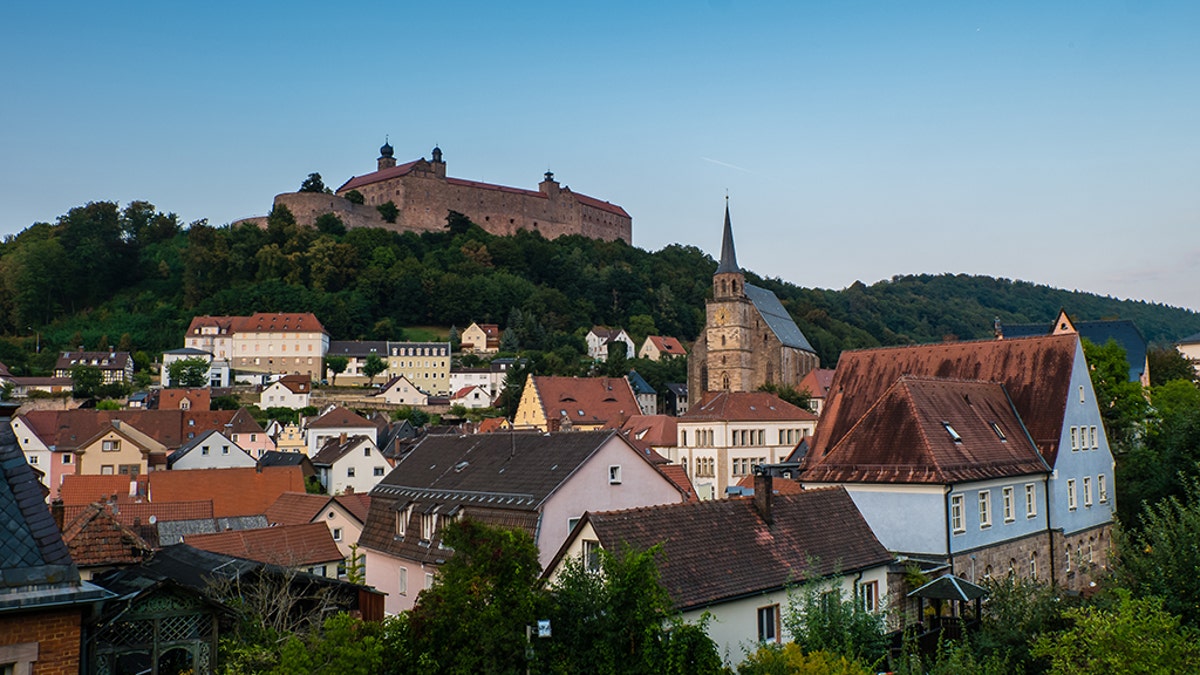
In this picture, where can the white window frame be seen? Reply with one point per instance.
(868, 593)
(1102, 488)
(1095, 437)
(614, 474)
(1072, 500)
(956, 514)
(768, 624)
(1074, 438)
(337, 534)
(402, 581)
(1009, 510)
(1031, 500)
(1087, 490)
(985, 508)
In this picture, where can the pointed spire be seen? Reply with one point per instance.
(728, 255)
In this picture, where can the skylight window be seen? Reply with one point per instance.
(953, 434)
(999, 432)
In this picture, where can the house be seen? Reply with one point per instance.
(658, 347)
(481, 338)
(219, 371)
(350, 464)
(658, 433)
(185, 399)
(574, 403)
(289, 391)
(335, 423)
(99, 542)
(344, 514)
(816, 383)
(734, 561)
(646, 396)
(357, 353)
(400, 391)
(542, 483)
(43, 600)
(212, 450)
(115, 366)
(119, 448)
(24, 386)
(1190, 348)
(675, 398)
(308, 547)
(492, 425)
(272, 343)
(291, 438)
(425, 364)
(599, 339)
(1061, 515)
(244, 430)
(1123, 331)
(472, 398)
(724, 436)
(461, 378)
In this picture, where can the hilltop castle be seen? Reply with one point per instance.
(423, 195)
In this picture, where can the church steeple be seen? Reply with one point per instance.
(728, 281)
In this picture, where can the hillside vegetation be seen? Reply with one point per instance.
(133, 277)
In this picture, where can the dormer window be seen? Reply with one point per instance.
(428, 525)
(954, 436)
(999, 432)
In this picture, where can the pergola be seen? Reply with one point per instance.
(957, 590)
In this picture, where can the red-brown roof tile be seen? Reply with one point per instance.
(295, 508)
(83, 490)
(679, 477)
(279, 322)
(658, 431)
(234, 492)
(130, 513)
(817, 382)
(66, 430)
(285, 545)
(96, 537)
(357, 503)
(492, 425)
(340, 418)
(586, 400)
(745, 406)
(356, 182)
(170, 399)
(667, 345)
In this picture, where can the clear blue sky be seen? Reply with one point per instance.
(1056, 142)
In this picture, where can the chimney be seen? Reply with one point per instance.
(342, 438)
(57, 511)
(763, 493)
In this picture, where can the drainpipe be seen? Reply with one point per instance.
(1050, 533)
(949, 525)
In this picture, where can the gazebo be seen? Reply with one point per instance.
(957, 590)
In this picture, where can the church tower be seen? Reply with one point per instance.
(728, 327)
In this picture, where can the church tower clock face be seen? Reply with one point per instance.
(721, 315)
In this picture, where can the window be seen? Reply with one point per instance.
(571, 523)
(1068, 565)
(869, 593)
(1082, 398)
(367, 451)
(1074, 438)
(428, 525)
(1071, 501)
(954, 436)
(66, 458)
(1008, 505)
(1091, 545)
(224, 449)
(349, 472)
(1033, 564)
(999, 432)
(1095, 438)
(33, 459)
(429, 580)
(985, 508)
(614, 474)
(110, 446)
(768, 623)
(379, 471)
(683, 439)
(106, 469)
(1102, 487)
(403, 581)
(337, 534)
(204, 450)
(956, 514)
(401, 522)
(1087, 490)
(1030, 500)
(591, 555)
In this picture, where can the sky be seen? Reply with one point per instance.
(1057, 143)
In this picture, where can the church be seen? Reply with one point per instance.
(749, 339)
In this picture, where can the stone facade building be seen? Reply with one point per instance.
(749, 339)
(423, 195)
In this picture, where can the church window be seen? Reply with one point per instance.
(722, 340)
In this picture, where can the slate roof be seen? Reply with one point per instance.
(31, 549)
(340, 418)
(638, 384)
(1190, 340)
(102, 360)
(586, 400)
(234, 492)
(1035, 372)
(933, 431)
(173, 532)
(745, 406)
(1123, 331)
(728, 263)
(97, 537)
(285, 545)
(777, 318)
(282, 458)
(720, 550)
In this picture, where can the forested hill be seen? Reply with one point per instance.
(133, 278)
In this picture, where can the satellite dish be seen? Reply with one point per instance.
(153, 519)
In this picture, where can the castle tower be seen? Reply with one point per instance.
(387, 157)
(730, 362)
(439, 165)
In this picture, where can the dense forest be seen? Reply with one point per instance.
(133, 277)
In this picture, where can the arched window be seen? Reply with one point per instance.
(1068, 566)
(725, 381)
(1033, 564)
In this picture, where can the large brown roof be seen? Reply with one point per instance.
(130, 512)
(66, 430)
(234, 492)
(586, 400)
(931, 431)
(79, 490)
(652, 430)
(295, 508)
(97, 537)
(1035, 372)
(745, 406)
(284, 545)
(340, 418)
(722, 549)
(817, 382)
(667, 345)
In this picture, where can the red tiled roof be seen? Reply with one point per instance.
(127, 512)
(657, 431)
(745, 406)
(296, 508)
(464, 391)
(492, 425)
(279, 322)
(357, 503)
(170, 399)
(356, 182)
(1035, 372)
(722, 549)
(68, 429)
(599, 204)
(780, 486)
(909, 436)
(285, 545)
(96, 537)
(223, 324)
(586, 400)
(340, 418)
(676, 474)
(817, 382)
(83, 490)
(667, 345)
(234, 492)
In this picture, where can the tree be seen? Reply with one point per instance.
(388, 211)
(1136, 636)
(800, 399)
(790, 659)
(1161, 554)
(373, 366)
(355, 197)
(314, 184)
(329, 223)
(336, 365)
(86, 380)
(1122, 402)
(190, 372)
(821, 618)
(1167, 364)
(473, 618)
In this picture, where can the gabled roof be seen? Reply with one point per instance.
(586, 400)
(652, 430)
(817, 382)
(283, 458)
(462, 393)
(356, 182)
(279, 322)
(102, 360)
(243, 422)
(224, 324)
(298, 384)
(171, 399)
(284, 545)
(234, 492)
(296, 508)
(639, 385)
(677, 475)
(933, 431)
(719, 550)
(777, 318)
(341, 418)
(1035, 372)
(745, 406)
(66, 430)
(1123, 331)
(492, 425)
(97, 537)
(335, 449)
(197, 442)
(79, 490)
(607, 334)
(140, 514)
(667, 345)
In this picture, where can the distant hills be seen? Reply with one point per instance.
(133, 277)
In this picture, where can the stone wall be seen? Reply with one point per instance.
(1084, 568)
(56, 634)
(1013, 554)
